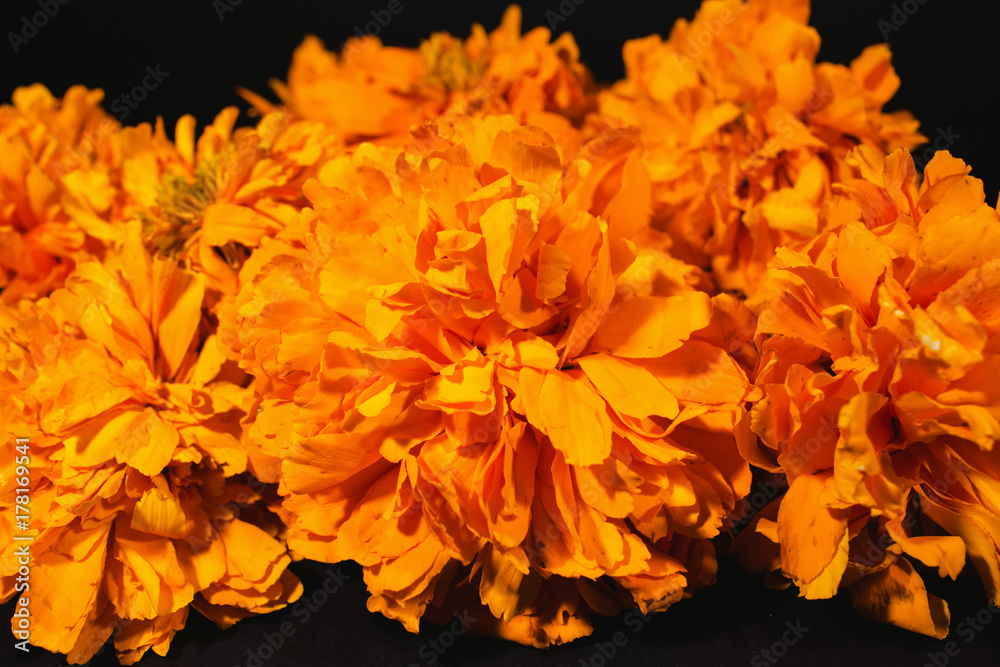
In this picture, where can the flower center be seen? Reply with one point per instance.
(448, 64)
(181, 204)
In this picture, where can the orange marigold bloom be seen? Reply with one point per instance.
(880, 349)
(469, 375)
(373, 92)
(138, 503)
(208, 201)
(744, 132)
(70, 178)
(54, 161)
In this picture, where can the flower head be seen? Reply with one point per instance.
(745, 132)
(140, 505)
(878, 352)
(207, 201)
(468, 373)
(372, 92)
(55, 161)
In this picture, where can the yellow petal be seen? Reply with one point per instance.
(181, 315)
(504, 588)
(652, 326)
(813, 537)
(574, 417)
(160, 513)
(628, 387)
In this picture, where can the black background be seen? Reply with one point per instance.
(946, 53)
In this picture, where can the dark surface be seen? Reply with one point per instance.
(728, 624)
(946, 54)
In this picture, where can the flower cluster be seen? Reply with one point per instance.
(512, 342)
(878, 352)
(140, 505)
(374, 92)
(467, 376)
(745, 132)
(56, 168)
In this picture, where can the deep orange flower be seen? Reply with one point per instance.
(458, 306)
(879, 354)
(470, 376)
(371, 92)
(138, 505)
(54, 161)
(744, 132)
(209, 200)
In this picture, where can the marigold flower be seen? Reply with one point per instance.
(373, 92)
(209, 200)
(53, 161)
(469, 375)
(72, 177)
(139, 503)
(481, 326)
(744, 132)
(879, 353)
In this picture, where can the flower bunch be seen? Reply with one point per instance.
(467, 378)
(878, 343)
(371, 91)
(511, 342)
(56, 168)
(141, 508)
(745, 132)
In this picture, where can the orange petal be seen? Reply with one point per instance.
(897, 595)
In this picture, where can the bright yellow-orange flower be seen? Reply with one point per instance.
(371, 92)
(208, 201)
(879, 357)
(138, 502)
(458, 306)
(744, 132)
(70, 177)
(470, 376)
(54, 160)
